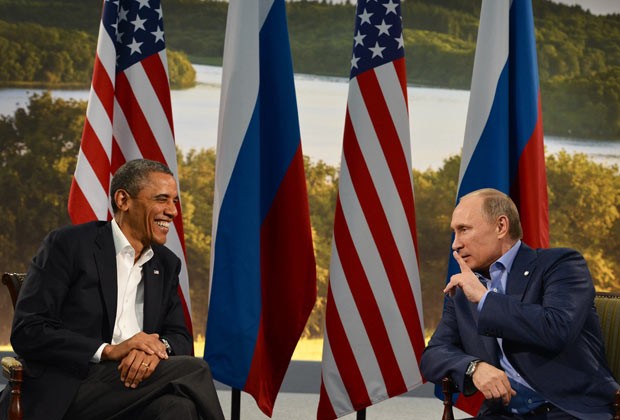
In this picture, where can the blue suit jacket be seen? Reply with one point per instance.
(550, 329)
(67, 308)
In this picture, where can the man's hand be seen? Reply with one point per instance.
(466, 280)
(493, 383)
(148, 343)
(136, 367)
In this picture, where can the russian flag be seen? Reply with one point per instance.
(263, 273)
(503, 146)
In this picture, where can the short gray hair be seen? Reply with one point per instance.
(495, 204)
(132, 176)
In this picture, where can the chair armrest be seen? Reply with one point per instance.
(447, 388)
(10, 364)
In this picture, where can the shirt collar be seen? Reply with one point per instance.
(505, 261)
(122, 244)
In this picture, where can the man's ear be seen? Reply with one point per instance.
(503, 226)
(121, 198)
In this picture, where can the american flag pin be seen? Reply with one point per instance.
(155, 272)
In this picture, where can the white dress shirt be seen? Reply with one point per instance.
(130, 290)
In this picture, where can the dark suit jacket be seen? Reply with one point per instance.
(550, 329)
(67, 308)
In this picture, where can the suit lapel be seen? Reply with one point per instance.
(521, 272)
(153, 288)
(105, 259)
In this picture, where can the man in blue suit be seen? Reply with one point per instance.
(519, 325)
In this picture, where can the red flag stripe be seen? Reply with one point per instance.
(325, 408)
(362, 294)
(156, 73)
(102, 85)
(92, 149)
(533, 202)
(79, 205)
(369, 140)
(383, 236)
(380, 112)
(141, 130)
(343, 360)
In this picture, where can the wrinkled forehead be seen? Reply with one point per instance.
(467, 212)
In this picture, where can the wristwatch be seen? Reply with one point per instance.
(167, 344)
(471, 368)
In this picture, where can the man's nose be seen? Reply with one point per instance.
(456, 244)
(172, 210)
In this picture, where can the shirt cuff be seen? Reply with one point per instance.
(481, 303)
(97, 356)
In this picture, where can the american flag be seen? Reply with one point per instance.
(374, 333)
(129, 115)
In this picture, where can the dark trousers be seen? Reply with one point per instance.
(180, 388)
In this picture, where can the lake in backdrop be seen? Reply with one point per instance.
(437, 118)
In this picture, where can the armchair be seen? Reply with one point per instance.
(608, 309)
(12, 368)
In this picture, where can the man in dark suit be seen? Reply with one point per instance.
(99, 323)
(519, 324)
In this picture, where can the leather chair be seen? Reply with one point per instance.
(608, 309)
(12, 368)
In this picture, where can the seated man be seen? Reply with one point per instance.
(99, 323)
(519, 324)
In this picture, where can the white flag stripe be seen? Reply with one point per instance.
(237, 100)
(332, 381)
(100, 123)
(396, 103)
(354, 327)
(379, 283)
(151, 108)
(164, 59)
(490, 58)
(264, 8)
(122, 131)
(382, 178)
(106, 53)
(91, 187)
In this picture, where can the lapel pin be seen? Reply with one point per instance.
(156, 272)
(526, 273)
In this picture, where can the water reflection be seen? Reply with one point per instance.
(437, 118)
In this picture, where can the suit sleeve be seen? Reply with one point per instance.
(38, 333)
(553, 321)
(444, 355)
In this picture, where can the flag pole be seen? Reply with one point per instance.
(235, 404)
(361, 414)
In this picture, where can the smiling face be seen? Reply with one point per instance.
(145, 217)
(479, 241)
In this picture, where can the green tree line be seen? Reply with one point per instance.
(578, 53)
(40, 142)
(35, 55)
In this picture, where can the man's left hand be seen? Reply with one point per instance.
(136, 367)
